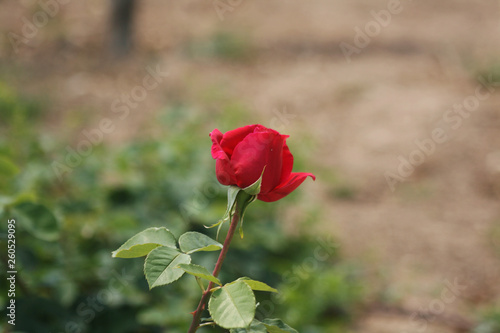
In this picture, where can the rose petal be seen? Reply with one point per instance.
(250, 157)
(287, 162)
(292, 183)
(259, 128)
(217, 151)
(225, 173)
(232, 138)
(272, 173)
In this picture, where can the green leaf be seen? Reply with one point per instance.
(194, 241)
(257, 285)
(215, 224)
(38, 220)
(267, 326)
(275, 329)
(144, 242)
(161, 266)
(233, 305)
(277, 326)
(199, 271)
(255, 327)
(232, 193)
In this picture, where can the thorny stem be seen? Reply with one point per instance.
(195, 324)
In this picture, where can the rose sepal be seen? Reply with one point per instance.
(246, 196)
(255, 188)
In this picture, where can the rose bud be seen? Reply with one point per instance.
(245, 154)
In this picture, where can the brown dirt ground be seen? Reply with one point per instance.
(358, 117)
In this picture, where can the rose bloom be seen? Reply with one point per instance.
(243, 153)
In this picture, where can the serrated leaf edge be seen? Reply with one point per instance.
(115, 252)
(163, 284)
(209, 274)
(210, 301)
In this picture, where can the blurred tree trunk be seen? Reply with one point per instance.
(122, 12)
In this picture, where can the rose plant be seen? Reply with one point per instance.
(255, 163)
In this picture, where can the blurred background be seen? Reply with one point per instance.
(105, 110)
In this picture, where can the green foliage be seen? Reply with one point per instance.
(266, 326)
(7, 168)
(194, 241)
(233, 305)
(199, 271)
(162, 266)
(254, 327)
(223, 45)
(490, 322)
(144, 242)
(277, 326)
(490, 74)
(327, 292)
(257, 285)
(14, 107)
(38, 220)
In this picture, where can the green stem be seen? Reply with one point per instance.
(195, 324)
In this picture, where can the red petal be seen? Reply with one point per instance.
(232, 138)
(250, 157)
(223, 168)
(287, 163)
(217, 151)
(272, 173)
(283, 190)
(225, 173)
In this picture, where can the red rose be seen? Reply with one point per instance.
(243, 153)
